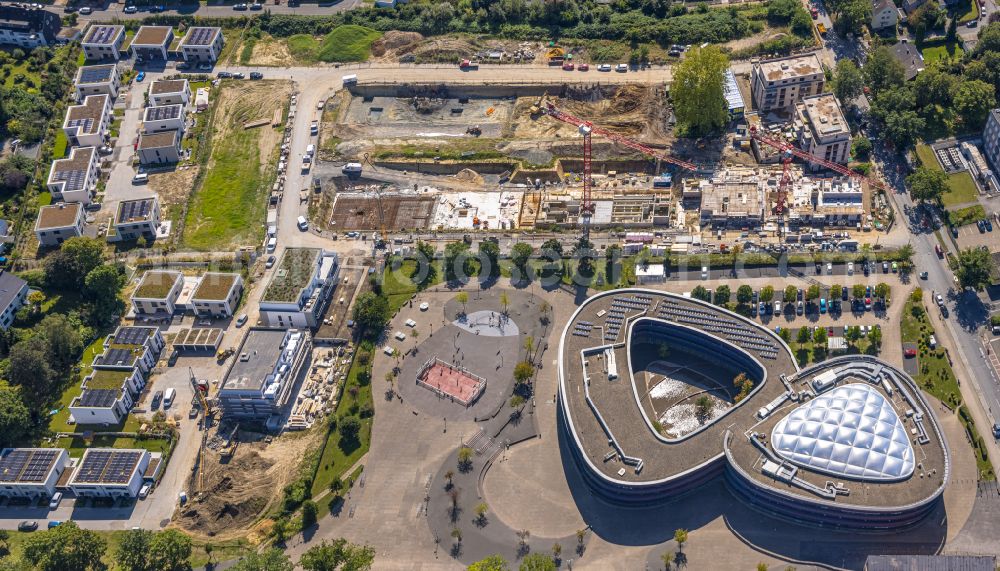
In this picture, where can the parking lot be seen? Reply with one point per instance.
(974, 236)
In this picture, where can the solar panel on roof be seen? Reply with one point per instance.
(73, 179)
(86, 124)
(132, 210)
(98, 398)
(93, 465)
(121, 466)
(102, 34)
(95, 74)
(164, 112)
(38, 465)
(131, 335)
(201, 36)
(12, 464)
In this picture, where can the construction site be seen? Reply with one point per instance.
(524, 157)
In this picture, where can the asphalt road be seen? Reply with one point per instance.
(103, 11)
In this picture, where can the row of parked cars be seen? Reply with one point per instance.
(801, 306)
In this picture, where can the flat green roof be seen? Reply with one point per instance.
(105, 379)
(294, 272)
(156, 284)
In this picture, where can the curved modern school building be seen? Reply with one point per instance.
(849, 442)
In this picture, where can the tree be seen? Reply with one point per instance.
(883, 71)
(272, 559)
(349, 427)
(309, 511)
(62, 339)
(697, 91)
(904, 127)
(862, 147)
(973, 100)
(790, 293)
(722, 295)
(462, 298)
(858, 291)
(489, 258)
(836, 291)
(819, 336)
(951, 35)
(523, 372)
(464, 458)
(520, 254)
(537, 562)
(504, 302)
(744, 384)
(852, 333)
(851, 16)
(338, 554)
(553, 245)
(169, 550)
(744, 294)
(102, 287)
(975, 267)
(424, 272)
(766, 293)
(30, 370)
(703, 406)
(15, 418)
(491, 563)
(133, 551)
(371, 313)
(681, 537)
(762, 567)
(882, 290)
(583, 250)
(812, 292)
(65, 546)
(803, 335)
(667, 557)
(847, 81)
(457, 262)
(801, 24)
(785, 334)
(699, 292)
(69, 266)
(875, 336)
(927, 184)
(481, 511)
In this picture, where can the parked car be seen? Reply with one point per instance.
(923, 275)
(241, 320)
(239, 7)
(777, 308)
(989, 225)
(86, 11)
(54, 502)
(130, 9)
(850, 268)
(604, 67)
(140, 77)
(910, 353)
(256, 75)
(270, 262)
(27, 526)
(140, 178)
(224, 75)
(144, 490)
(205, 67)
(568, 66)
(69, 9)
(822, 305)
(256, 6)
(157, 397)
(239, 75)
(982, 226)
(155, 9)
(885, 267)
(583, 67)
(54, 523)
(621, 68)
(938, 299)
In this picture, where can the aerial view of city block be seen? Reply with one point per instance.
(500, 285)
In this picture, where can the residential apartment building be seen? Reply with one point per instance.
(159, 148)
(157, 293)
(259, 381)
(163, 118)
(31, 472)
(110, 473)
(300, 288)
(74, 179)
(152, 43)
(131, 347)
(87, 124)
(217, 294)
(28, 28)
(103, 42)
(822, 128)
(97, 80)
(169, 92)
(778, 84)
(202, 44)
(107, 397)
(13, 296)
(885, 14)
(991, 139)
(57, 223)
(135, 219)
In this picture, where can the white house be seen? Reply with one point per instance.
(201, 44)
(159, 148)
(299, 288)
(28, 27)
(163, 118)
(108, 394)
(169, 92)
(217, 294)
(651, 274)
(131, 347)
(31, 472)
(110, 473)
(885, 14)
(86, 125)
(59, 222)
(74, 179)
(135, 218)
(157, 293)
(152, 43)
(97, 80)
(103, 42)
(13, 296)
(822, 128)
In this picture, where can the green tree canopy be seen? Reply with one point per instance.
(489, 256)
(169, 550)
(744, 294)
(371, 313)
(101, 288)
(14, 416)
(457, 262)
(272, 559)
(554, 245)
(30, 370)
(520, 254)
(973, 101)
(975, 267)
(64, 547)
(697, 90)
(69, 266)
(927, 184)
(883, 71)
(847, 81)
(338, 554)
(491, 563)
(537, 562)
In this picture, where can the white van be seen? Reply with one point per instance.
(302, 223)
(272, 231)
(349, 79)
(272, 244)
(352, 168)
(141, 178)
(311, 150)
(168, 397)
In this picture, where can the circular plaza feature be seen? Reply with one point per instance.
(660, 393)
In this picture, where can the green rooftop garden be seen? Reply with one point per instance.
(103, 379)
(294, 272)
(155, 285)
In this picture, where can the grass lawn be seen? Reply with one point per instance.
(303, 47)
(59, 421)
(347, 43)
(968, 215)
(966, 11)
(934, 51)
(963, 188)
(228, 207)
(76, 445)
(337, 459)
(59, 145)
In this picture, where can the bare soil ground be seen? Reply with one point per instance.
(237, 493)
(173, 188)
(393, 44)
(271, 52)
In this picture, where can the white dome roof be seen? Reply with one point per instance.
(851, 431)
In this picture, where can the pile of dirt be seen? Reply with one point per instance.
(234, 495)
(443, 50)
(396, 42)
(470, 176)
(427, 105)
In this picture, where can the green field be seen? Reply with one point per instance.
(303, 47)
(968, 215)
(963, 188)
(347, 43)
(227, 208)
(934, 51)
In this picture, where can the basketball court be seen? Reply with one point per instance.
(450, 381)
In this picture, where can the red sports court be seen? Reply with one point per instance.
(451, 382)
